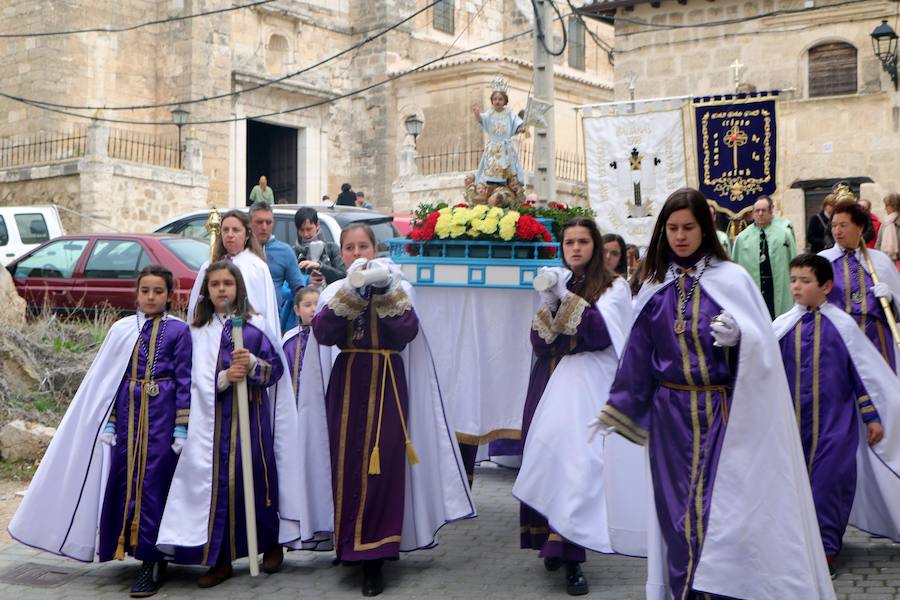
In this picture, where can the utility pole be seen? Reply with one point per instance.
(545, 136)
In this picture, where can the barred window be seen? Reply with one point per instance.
(832, 69)
(442, 16)
(576, 43)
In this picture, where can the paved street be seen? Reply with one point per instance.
(476, 559)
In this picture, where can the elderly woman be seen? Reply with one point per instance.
(889, 234)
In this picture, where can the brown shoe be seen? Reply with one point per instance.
(272, 559)
(215, 576)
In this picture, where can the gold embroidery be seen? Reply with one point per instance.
(568, 317)
(701, 358)
(849, 304)
(216, 443)
(475, 440)
(367, 440)
(798, 340)
(884, 351)
(347, 304)
(542, 324)
(695, 458)
(259, 439)
(527, 529)
(342, 451)
(554, 537)
(391, 304)
(232, 452)
(815, 390)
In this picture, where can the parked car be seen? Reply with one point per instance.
(404, 223)
(331, 220)
(76, 273)
(23, 228)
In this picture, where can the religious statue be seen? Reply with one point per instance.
(500, 160)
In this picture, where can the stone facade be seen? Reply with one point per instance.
(356, 139)
(820, 138)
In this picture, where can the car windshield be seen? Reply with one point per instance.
(383, 232)
(191, 252)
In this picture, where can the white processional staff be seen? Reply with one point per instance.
(316, 249)
(377, 276)
(240, 390)
(885, 303)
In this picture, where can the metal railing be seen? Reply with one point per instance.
(144, 148)
(452, 159)
(42, 148)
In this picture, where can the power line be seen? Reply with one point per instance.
(235, 93)
(133, 27)
(596, 39)
(541, 35)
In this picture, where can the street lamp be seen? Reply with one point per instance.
(884, 43)
(414, 126)
(179, 117)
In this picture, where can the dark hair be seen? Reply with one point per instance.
(345, 187)
(204, 310)
(262, 205)
(892, 201)
(657, 259)
(364, 227)
(768, 200)
(161, 272)
(597, 278)
(303, 292)
(819, 265)
(857, 213)
(252, 243)
(360, 194)
(622, 266)
(305, 214)
(505, 97)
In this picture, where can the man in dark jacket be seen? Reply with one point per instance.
(818, 230)
(347, 197)
(329, 267)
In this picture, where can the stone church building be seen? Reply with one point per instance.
(225, 86)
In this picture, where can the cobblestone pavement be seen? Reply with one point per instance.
(477, 559)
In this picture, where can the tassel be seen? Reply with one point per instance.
(120, 549)
(411, 456)
(375, 462)
(134, 533)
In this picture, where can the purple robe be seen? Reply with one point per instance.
(362, 409)
(227, 522)
(293, 352)
(852, 283)
(145, 426)
(827, 392)
(591, 336)
(671, 391)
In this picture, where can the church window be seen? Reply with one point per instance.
(576, 43)
(442, 16)
(832, 69)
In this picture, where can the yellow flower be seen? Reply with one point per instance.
(444, 211)
(461, 216)
(457, 230)
(495, 212)
(508, 225)
(442, 227)
(488, 225)
(480, 211)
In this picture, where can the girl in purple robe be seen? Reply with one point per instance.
(295, 340)
(259, 362)
(567, 322)
(828, 395)
(672, 387)
(366, 410)
(854, 291)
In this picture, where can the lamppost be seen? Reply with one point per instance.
(884, 43)
(179, 117)
(414, 126)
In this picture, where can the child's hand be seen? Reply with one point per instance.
(240, 364)
(874, 433)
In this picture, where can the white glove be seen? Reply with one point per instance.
(177, 445)
(108, 438)
(881, 290)
(598, 427)
(563, 276)
(358, 265)
(548, 296)
(725, 330)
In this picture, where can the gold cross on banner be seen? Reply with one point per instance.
(734, 139)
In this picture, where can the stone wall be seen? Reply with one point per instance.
(819, 138)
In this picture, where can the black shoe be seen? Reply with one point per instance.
(831, 570)
(373, 581)
(148, 580)
(552, 563)
(272, 559)
(576, 584)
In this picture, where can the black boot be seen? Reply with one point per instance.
(148, 580)
(373, 581)
(576, 584)
(552, 563)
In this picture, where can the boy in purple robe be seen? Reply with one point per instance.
(294, 343)
(828, 395)
(568, 322)
(136, 401)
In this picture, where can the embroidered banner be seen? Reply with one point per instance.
(634, 161)
(736, 150)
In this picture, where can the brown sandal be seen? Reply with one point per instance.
(215, 576)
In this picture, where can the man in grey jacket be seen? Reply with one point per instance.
(329, 267)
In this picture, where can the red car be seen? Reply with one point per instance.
(93, 271)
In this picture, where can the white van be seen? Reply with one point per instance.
(25, 227)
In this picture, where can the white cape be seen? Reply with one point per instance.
(875, 507)
(437, 491)
(762, 540)
(592, 494)
(186, 516)
(260, 289)
(60, 512)
(886, 271)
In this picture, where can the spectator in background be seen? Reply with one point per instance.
(347, 197)
(723, 237)
(279, 257)
(614, 254)
(361, 201)
(889, 234)
(870, 234)
(262, 192)
(632, 260)
(329, 267)
(818, 230)
(326, 199)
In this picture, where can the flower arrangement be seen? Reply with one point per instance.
(480, 222)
